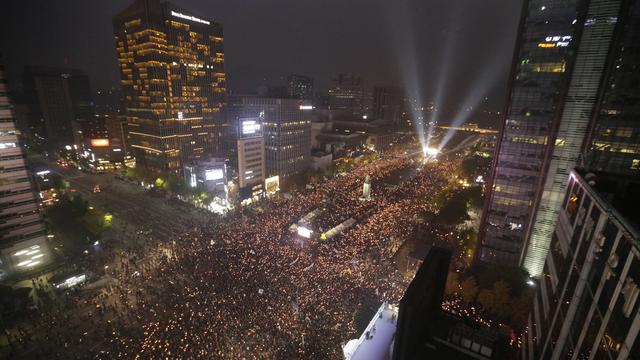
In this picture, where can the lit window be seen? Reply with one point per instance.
(7, 145)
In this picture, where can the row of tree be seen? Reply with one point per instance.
(76, 223)
(504, 296)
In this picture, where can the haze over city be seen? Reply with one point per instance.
(358, 180)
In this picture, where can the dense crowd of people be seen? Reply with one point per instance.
(242, 288)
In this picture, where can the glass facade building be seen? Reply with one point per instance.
(587, 305)
(562, 57)
(615, 140)
(539, 76)
(286, 128)
(172, 74)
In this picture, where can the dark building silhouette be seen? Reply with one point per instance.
(57, 98)
(300, 87)
(348, 95)
(425, 331)
(391, 104)
(420, 305)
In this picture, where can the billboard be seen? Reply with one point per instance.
(213, 174)
(250, 126)
(272, 184)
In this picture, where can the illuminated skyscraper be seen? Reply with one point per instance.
(561, 58)
(587, 302)
(172, 70)
(22, 232)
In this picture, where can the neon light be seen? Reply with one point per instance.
(99, 142)
(546, 45)
(189, 17)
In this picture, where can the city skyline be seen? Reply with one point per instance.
(368, 38)
(357, 180)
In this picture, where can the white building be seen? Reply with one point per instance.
(23, 244)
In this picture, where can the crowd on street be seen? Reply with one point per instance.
(242, 288)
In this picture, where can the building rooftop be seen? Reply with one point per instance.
(375, 341)
(618, 194)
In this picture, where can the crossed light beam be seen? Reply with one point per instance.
(487, 75)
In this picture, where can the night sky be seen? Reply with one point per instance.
(406, 42)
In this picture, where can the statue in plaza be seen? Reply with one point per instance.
(366, 189)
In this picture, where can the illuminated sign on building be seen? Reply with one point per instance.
(99, 142)
(250, 127)
(306, 107)
(555, 41)
(189, 17)
(558, 38)
(272, 184)
(213, 174)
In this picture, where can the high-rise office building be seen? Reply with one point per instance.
(614, 142)
(561, 57)
(348, 95)
(287, 136)
(246, 143)
(116, 125)
(587, 303)
(172, 73)
(300, 87)
(390, 104)
(22, 232)
(89, 130)
(58, 98)
(285, 125)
